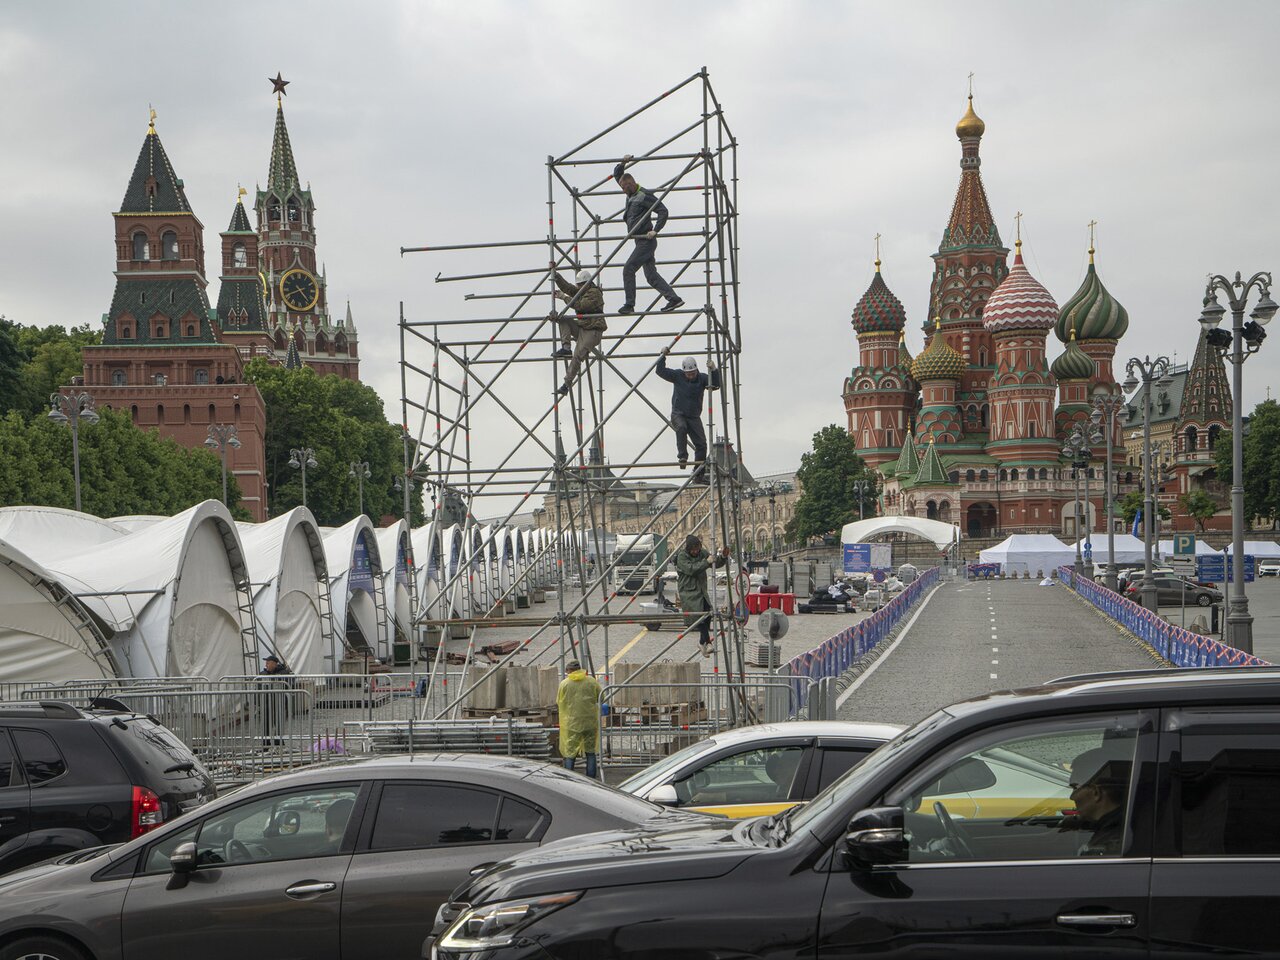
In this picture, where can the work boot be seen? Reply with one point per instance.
(675, 304)
(564, 351)
(562, 389)
(625, 309)
(706, 650)
(684, 462)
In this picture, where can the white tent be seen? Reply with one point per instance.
(46, 634)
(136, 522)
(1258, 548)
(1029, 552)
(427, 571)
(1129, 549)
(52, 528)
(291, 590)
(355, 586)
(396, 549)
(1202, 548)
(175, 593)
(942, 534)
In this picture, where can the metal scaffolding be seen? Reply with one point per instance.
(484, 426)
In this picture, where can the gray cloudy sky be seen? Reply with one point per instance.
(421, 122)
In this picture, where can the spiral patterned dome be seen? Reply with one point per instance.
(1074, 364)
(1092, 312)
(879, 311)
(1020, 302)
(938, 361)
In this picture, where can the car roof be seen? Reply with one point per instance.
(418, 765)
(807, 728)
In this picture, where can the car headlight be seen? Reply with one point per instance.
(496, 924)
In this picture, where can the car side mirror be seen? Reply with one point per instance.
(967, 776)
(665, 794)
(182, 863)
(876, 836)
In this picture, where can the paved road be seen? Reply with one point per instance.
(972, 638)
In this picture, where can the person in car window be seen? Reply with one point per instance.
(1099, 782)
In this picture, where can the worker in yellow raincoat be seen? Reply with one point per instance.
(578, 700)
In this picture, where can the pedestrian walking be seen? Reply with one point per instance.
(688, 387)
(585, 328)
(642, 206)
(691, 564)
(578, 704)
(275, 699)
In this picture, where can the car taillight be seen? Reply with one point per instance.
(145, 814)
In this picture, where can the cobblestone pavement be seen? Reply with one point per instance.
(973, 638)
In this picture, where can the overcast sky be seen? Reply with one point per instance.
(429, 122)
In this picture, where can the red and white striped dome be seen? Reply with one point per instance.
(1020, 303)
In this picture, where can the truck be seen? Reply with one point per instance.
(637, 560)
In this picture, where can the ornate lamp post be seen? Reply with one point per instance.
(1079, 448)
(1239, 344)
(71, 409)
(360, 470)
(1152, 371)
(221, 436)
(861, 487)
(1105, 407)
(300, 458)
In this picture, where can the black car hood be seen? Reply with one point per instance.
(654, 852)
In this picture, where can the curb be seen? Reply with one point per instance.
(1142, 645)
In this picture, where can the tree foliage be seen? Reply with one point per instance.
(123, 470)
(1131, 503)
(827, 475)
(1260, 450)
(36, 361)
(344, 423)
(1199, 506)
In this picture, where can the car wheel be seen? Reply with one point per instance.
(1204, 600)
(42, 948)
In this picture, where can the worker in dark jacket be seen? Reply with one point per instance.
(691, 563)
(585, 327)
(688, 387)
(641, 204)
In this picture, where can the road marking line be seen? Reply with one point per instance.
(631, 643)
(995, 649)
(994, 662)
(994, 677)
(840, 701)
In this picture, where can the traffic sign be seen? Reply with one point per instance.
(1184, 544)
(1088, 552)
(1184, 566)
(1211, 568)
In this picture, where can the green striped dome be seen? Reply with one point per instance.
(1092, 311)
(938, 361)
(1074, 364)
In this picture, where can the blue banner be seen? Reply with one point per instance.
(1137, 524)
(361, 576)
(857, 558)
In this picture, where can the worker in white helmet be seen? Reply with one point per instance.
(688, 387)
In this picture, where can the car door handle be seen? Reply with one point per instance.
(1097, 919)
(309, 888)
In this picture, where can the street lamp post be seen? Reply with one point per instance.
(861, 487)
(1242, 342)
(1079, 448)
(1153, 371)
(360, 470)
(300, 458)
(221, 436)
(1105, 407)
(71, 409)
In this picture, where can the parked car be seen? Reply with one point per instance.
(1269, 568)
(1174, 591)
(71, 779)
(761, 769)
(1151, 829)
(347, 861)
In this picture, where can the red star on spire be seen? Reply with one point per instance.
(278, 84)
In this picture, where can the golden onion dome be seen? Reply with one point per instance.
(938, 361)
(970, 124)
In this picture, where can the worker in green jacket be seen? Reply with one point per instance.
(578, 702)
(584, 329)
(691, 564)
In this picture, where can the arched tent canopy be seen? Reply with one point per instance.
(505, 553)
(396, 548)
(1259, 549)
(1028, 552)
(46, 634)
(176, 593)
(355, 586)
(291, 590)
(943, 535)
(427, 571)
(57, 530)
(1129, 549)
(136, 522)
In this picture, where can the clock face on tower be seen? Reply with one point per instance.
(299, 290)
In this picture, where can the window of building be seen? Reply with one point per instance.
(117, 378)
(294, 213)
(159, 413)
(1013, 474)
(160, 330)
(169, 245)
(969, 476)
(239, 258)
(202, 375)
(1031, 429)
(273, 211)
(984, 476)
(1003, 475)
(1192, 437)
(954, 476)
(141, 249)
(191, 330)
(126, 333)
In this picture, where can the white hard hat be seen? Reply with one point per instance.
(583, 275)
(688, 365)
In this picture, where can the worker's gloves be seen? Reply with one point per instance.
(712, 365)
(651, 235)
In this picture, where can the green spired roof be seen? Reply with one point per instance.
(908, 459)
(283, 174)
(154, 187)
(239, 220)
(291, 359)
(931, 472)
(174, 298)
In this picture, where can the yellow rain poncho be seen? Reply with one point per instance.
(578, 701)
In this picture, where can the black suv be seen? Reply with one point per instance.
(72, 779)
(1104, 816)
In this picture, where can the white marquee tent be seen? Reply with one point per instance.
(1029, 553)
(52, 528)
(1259, 549)
(355, 586)
(395, 546)
(1202, 548)
(943, 535)
(1129, 549)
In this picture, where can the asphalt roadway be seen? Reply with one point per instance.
(971, 638)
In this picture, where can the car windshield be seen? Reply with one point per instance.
(836, 795)
(658, 771)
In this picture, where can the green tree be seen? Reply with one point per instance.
(1199, 506)
(827, 474)
(12, 392)
(48, 358)
(1132, 503)
(1260, 451)
(344, 423)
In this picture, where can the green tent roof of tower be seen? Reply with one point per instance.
(239, 220)
(931, 472)
(174, 298)
(283, 174)
(154, 187)
(908, 460)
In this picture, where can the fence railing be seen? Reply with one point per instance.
(839, 653)
(1179, 646)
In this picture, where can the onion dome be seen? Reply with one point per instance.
(1092, 312)
(1020, 302)
(1074, 364)
(879, 311)
(938, 361)
(970, 124)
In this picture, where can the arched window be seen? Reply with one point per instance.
(986, 412)
(212, 415)
(1044, 474)
(1092, 474)
(160, 331)
(186, 413)
(294, 213)
(169, 245)
(133, 413)
(982, 356)
(126, 333)
(191, 330)
(984, 476)
(117, 378)
(1003, 475)
(273, 211)
(969, 476)
(159, 413)
(1192, 437)
(1214, 432)
(202, 375)
(1128, 477)
(239, 258)
(1013, 474)
(141, 249)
